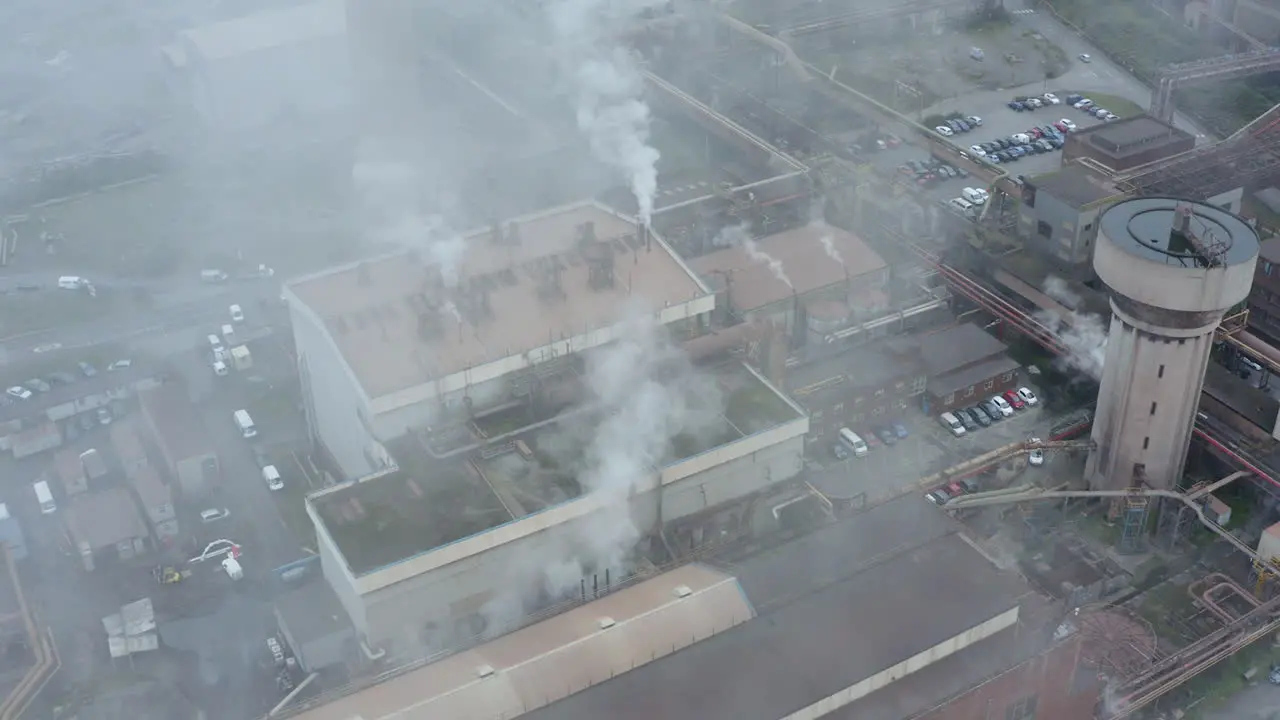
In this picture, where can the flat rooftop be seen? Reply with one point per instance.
(833, 608)
(1074, 185)
(804, 259)
(1133, 135)
(428, 503)
(398, 326)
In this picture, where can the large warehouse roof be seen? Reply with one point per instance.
(806, 263)
(562, 655)
(829, 611)
(535, 293)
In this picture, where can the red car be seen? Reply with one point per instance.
(1012, 398)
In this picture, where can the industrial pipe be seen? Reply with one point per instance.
(289, 698)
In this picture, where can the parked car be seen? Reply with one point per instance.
(1036, 456)
(86, 369)
(1013, 399)
(119, 365)
(992, 411)
(900, 430)
(214, 515)
(979, 418)
(938, 496)
(1085, 57)
(1027, 396)
(61, 378)
(38, 385)
(19, 392)
(838, 449)
(1016, 106)
(1073, 98)
(974, 121)
(944, 131)
(886, 435)
(970, 425)
(1051, 98)
(1005, 408)
(1066, 125)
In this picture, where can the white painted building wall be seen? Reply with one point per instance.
(391, 605)
(333, 399)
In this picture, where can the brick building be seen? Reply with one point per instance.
(1264, 298)
(1128, 143)
(965, 364)
(871, 386)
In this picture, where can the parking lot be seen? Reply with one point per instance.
(887, 471)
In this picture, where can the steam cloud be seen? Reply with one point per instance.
(647, 393)
(389, 192)
(607, 88)
(1083, 334)
(773, 263)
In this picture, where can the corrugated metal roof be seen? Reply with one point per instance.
(270, 29)
(559, 656)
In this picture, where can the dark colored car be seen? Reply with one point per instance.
(1015, 105)
(992, 411)
(968, 422)
(887, 435)
(978, 416)
(900, 430)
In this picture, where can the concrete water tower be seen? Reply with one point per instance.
(1173, 268)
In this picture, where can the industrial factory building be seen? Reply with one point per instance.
(1264, 298)
(1058, 217)
(1173, 268)
(930, 372)
(1128, 143)
(391, 344)
(437, 541)
(807, 281)
(847, 620)
(456, 405)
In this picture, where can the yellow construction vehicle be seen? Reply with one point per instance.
(169, 575)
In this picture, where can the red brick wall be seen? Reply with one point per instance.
(1050, 677)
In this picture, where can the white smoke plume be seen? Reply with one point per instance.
(773, 263)
(390, 194)
(648, 393)
(740, 236)
(830, 248)
(1083, 334)
(605, 81)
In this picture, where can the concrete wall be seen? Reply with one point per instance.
(335, 572)
(1069, 246)
(912, 664)
(733, 480)
(196, 475)
(332, 397)
(391, 606)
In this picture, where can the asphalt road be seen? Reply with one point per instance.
(177, 319)
(1100, 75)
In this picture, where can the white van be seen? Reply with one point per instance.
(229, 334)
(272, 477)
(960, 204)
(855, 443)
(952, 423)
(215, 344)
(245, 423)
(219, 368)
(71, 282)
(45, 498)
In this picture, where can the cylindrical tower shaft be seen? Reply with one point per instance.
(1173, 268)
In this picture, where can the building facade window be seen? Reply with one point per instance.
(1146, 443)
(878, 411)
(1024, 709)
(839, 408)
(900, 386)
(1266, 268)
(988, 384)
(949, 399)
(819, 431)
(1161, 373)
(1044, 229)
(1153, 408)
(1007, 377)
(817, 415)
(969, 391)
(880, 392)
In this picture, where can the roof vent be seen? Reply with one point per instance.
(682, 591)
(485, 671)
(606, 623)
